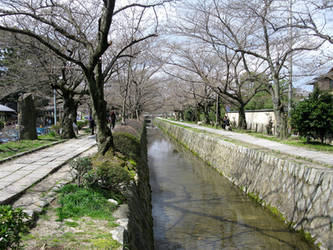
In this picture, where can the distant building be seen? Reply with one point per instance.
(324, 82)
(7, 114)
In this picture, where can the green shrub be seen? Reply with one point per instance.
(313, 117)
(52, 133)
(110, 176)
(2, 124)
(81, 166)
(56, 128)
(81, 124)
(11, 225)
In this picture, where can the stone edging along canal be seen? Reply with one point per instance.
(302, 193)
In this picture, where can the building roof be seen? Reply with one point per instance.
(4, 108)
(328, 75)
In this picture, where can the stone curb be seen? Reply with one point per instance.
(31, 151)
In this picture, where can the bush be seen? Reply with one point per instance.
(52, 133)
(81, 166)
(2, 124)
(313, 117)
(110, 176)
(11, 225)
(81, 124)
(56, 128)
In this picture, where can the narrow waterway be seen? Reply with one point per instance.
(196, 208)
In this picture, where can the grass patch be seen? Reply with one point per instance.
(12, 148)
(76, 202)
(292, 141)
(105, 243)
(49, 137)
(71, 223)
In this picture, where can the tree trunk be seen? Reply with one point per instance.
(69, 117)
(123, 112)
(218, 112)
(281, 125)
(104, 134)
(242, 118)
(206, 113)
(197, 113)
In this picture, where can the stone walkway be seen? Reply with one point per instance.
(317, 156)
(19, 174)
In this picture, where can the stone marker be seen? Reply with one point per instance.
(27, 117)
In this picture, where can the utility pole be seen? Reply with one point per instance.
(217, 110)
(55, 105)
(290, 85)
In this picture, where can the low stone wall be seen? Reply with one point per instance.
(303, 193)
(139, 233)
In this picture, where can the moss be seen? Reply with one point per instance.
(127, 144)
(105, 243)
(306, 236)
(254, 197)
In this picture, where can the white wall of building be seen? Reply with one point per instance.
(256, 120)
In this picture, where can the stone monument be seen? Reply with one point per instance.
(27, 117)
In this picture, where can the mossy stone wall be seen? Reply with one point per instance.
(139, 234)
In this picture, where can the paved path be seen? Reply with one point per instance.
(322, 157)
(21, 173)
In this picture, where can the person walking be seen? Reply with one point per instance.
(226, 123)
(113, 118)
(92, 125)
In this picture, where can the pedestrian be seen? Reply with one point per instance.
(92, 125)
(226, 123)
(76, 129)
(113, 118)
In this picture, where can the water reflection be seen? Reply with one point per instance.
(196, 208)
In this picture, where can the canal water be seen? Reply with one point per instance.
(196, 208)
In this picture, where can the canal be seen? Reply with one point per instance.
(196, 208)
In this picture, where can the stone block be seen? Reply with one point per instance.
(27, 117)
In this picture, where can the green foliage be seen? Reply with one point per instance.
(81, 166)
(56, 128)
(105, 243)
(110, 176)
(308, 238)
(127, 144)
(11, 225)
(2, 124)
(81, 124)
(190, 114)
(76, 202)
(52, 133)
(261, 100)
(313, 117)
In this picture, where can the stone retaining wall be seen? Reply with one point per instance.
(139, 233)
(303, 193)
